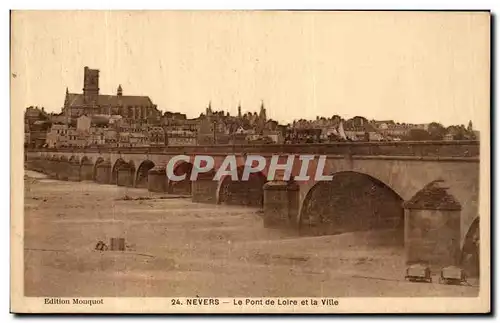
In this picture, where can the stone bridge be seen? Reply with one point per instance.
(371, 181)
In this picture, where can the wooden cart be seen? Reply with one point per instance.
(453, 275)
(418, 273)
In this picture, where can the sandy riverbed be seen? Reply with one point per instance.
(179, 248)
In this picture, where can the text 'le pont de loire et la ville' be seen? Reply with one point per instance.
(209, 302)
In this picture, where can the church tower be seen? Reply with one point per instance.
(239, 110)
(119, 91)
(90, 85)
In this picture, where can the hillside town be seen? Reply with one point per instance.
(92, 119)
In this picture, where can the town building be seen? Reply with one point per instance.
(83, 123)
(156, 135)
(57, 136)
(27, 134)
(389, 128)
(36, 125)
(91, 102)
(181, 138)
(77, 138)
(58, 118)
(33, 114)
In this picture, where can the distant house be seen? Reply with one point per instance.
(275, 136)
(156, 136)
(33, 114)
(77, 138)
(449, 137)
(27, 136)
(181, 138)
(83, 123)
(375, 136)
(57, 136)
(58, 118)
(383, 124)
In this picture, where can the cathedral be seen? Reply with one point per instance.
(90, 102)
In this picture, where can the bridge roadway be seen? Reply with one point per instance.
(402, 168)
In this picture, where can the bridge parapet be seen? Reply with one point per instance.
(402, 148)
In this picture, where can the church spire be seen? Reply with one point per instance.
(209, 108)
(119, 91)
(66, 98)
(239, 109)
(262, 113)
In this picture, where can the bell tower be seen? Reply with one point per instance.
(90, 85)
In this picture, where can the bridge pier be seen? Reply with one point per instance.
(86, 171)
(103, 172)
(34, 163)
(38, 165)
(124, 176)
(41, 167)
(281, 204)
(62, 170)
(74, 171)
(432, 228)
(157, 179)
(181, 187)
(30, 163)
(204, 188)
(51, 167)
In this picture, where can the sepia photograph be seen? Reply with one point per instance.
(250, 161)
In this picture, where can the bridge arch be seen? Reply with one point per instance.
(125, 174)
(351, 201)
(184, 186)
(85, 160)
(74, 159)
(470, 250)
(141, 177)
(86, 169)
(248, 193)
(120, 162)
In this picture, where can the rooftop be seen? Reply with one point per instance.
(77, 99)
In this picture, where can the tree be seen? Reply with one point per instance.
(459, 133)
(436, 131)
(418, 135)
(469, 127)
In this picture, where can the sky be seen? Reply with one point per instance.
(406, 66)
